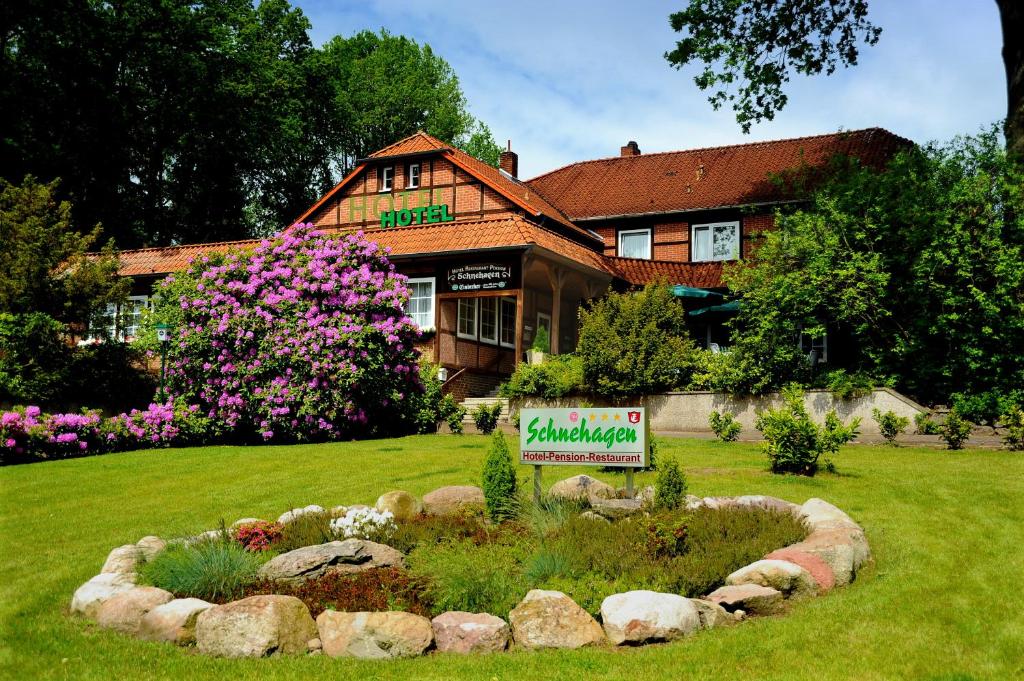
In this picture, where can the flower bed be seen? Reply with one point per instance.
(560, 575)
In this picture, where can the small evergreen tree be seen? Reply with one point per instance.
(499, 480)
(670, 487)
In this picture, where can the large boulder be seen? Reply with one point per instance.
(844, 550)
(149, 547)
(295, 513)
(616, 509)
(351, 555)
(123, 560)
(818, 514)
(819, 569)
(712, 615)
(402, 505)
(582, 487)
(550, 619)
(453, 499)
(124, 611)
(90, 596)
(374, 635)
(173, 622)
(767, 503)
(644, 616)
(255, 627)
(781, 575)
(467, 632)
(752, 598)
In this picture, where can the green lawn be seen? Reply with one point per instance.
(942, 601)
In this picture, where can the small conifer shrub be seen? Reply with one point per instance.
(499, 481)
(670, 486)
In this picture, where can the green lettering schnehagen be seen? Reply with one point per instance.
(580, 433)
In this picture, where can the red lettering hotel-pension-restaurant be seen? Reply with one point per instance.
(492, 258)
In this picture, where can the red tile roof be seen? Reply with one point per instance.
(640, 272)
(167, 259)
(701, 179)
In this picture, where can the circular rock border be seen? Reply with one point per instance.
(831, 555)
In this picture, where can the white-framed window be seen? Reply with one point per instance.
(489, 320)
(715, 241)
(635, 243)
(412, 176)
(420, 307)
(544, 322)
(815, 347)
(386, 179)
(508, 322)
(123, 322)
(467, 316)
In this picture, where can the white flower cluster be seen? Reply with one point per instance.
(365, 522)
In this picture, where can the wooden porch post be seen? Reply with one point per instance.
(519, 326)
(556, 277)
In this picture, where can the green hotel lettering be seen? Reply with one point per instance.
(391, 215)
(578, 433)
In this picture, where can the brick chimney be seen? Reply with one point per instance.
(631, 149)
(509, 161)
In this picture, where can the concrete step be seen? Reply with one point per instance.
(471, 403)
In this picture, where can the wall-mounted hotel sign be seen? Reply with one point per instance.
(412, 207)
(490, 276)
(423, 215)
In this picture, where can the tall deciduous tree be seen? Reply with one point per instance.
(749, 47)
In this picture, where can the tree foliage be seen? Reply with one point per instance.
(748, 49)
(180, 122)
(922, 265)
(635, 343)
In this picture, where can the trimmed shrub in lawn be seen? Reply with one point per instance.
(724, 426)
(793, 442)
(499, 483)
(670, 485)
(1013, 421)
(890, 425)
(956, 430)
(485, 417)
(214, 570)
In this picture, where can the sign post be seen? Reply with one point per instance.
(600, 436)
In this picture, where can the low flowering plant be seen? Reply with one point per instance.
(258, 536)
(365, 523)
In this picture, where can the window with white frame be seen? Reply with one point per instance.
(123, 322)
(815, 347)
(715, 241)
(489, 320)
(420, 307)
(387, 177)
(412, 176)
(508, 322)
(467, 316)
(635, 243)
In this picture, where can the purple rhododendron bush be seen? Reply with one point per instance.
(302, 338)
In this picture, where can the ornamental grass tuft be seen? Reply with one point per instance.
(213, 570)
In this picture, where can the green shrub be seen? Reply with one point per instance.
(715, 371)
(425, 530)
(1013, 421)
(433, 406)
(308, 529)
(847, 386)
(558, 376)
(460, 575)
(890, 425)
(486, 417)
(925, 425)
(670, 486)
(985, 408)
(541, 341)
(213, 570)
(724, 426)
(635, 343)
(499, 479)
(793, 442)
(453, 413)
(956, 430)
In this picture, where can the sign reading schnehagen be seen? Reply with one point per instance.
(584, 437)
(491, 276)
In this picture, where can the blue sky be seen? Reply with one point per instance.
(568, 81)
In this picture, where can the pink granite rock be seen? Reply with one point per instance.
(467, 632)
(819, 569)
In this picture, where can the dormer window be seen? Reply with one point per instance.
(412, 177)
(635, 243)
(386, 179)
(715, 241)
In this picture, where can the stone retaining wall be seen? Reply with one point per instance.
(687, 412)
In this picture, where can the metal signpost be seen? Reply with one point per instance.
(584, 436)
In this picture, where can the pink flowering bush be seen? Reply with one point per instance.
(302, 338)
(259, 535)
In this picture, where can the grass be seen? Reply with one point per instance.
(945, 528)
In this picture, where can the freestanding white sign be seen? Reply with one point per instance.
(584, 436)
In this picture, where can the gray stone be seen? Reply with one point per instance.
(173, 622)
(751, 598)
(713, 615)
(374, 635)
(597, 517)
(781, 575)
(645, 616)
(616, 509)
(90, 596)
(550, 619)
(402, 505)
(350, 555)
(467, 632)
(149, 547)
(582, 487)
(380, 555)
(257, 626)
(124, 611)
(123, 560)
(818, 515)
(453, 499)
